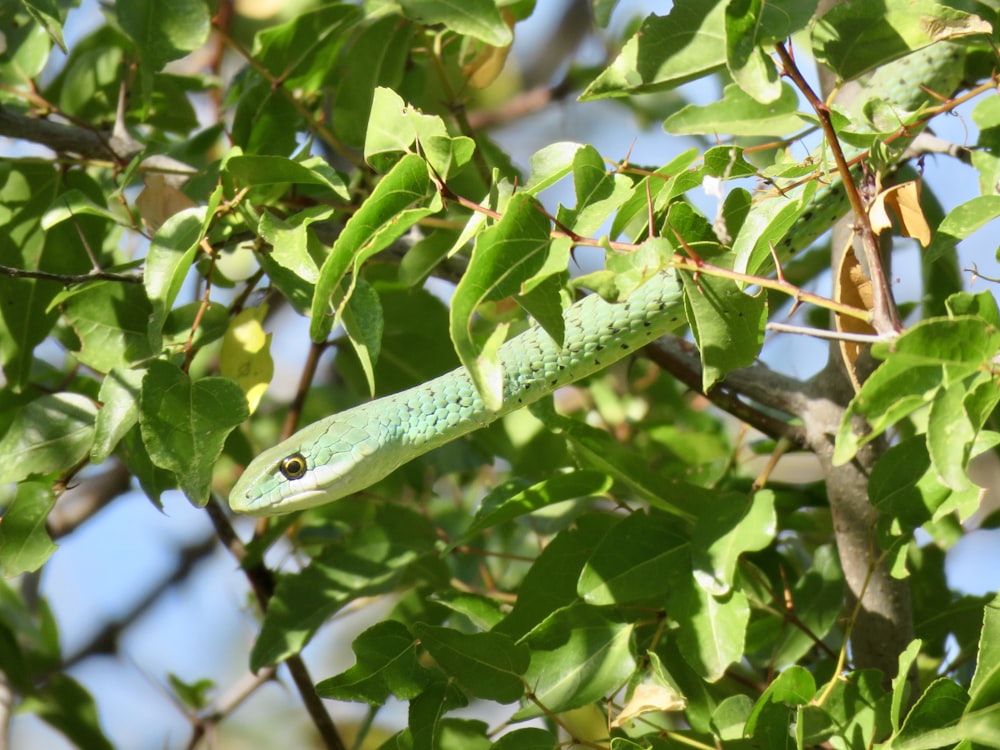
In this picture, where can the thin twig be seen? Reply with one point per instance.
(68, 279)
(820, 333)
(261, 580)
(885, 316)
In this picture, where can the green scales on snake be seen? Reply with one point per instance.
(349, 451)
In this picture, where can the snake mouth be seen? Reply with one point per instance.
(254, 505)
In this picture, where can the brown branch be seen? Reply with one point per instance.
(262, 582)
(71, 278)
(681, 360)
(885, 316)
(228, 702)
(60, 137)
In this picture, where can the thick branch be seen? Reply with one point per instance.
(60, 137)
(681, 360)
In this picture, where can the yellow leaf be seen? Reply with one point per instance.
(904, 201)
(488, 62)
(649, 697)
(246, 354)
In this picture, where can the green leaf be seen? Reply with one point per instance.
(543, 299)
(641, 559)
(426, 725)
(462, 734)
(854, 706)
(488, 665)
(476, 18)
(737, 113)
(163, 31)
(960, 222)
(153, 480)
(111, 320)
(268, 170)
(599, 450)
(737, 525)
(386, 664)
(185, 423)
(48, 435)
(377, 58)
(505, 255)
(795, 686)
(904, 485)
(551, 582)
(853, 38)
(363, 324)
(901, 682)
(933, 720)
(50, 17)
(396, 204)
(985, 688)
(395, 126)
(25, 545)
(730, 717)
(170, 256)
(929, 355)
(384, 542)
(193, 695)
(26, 192)
(727, 324)
(513, 499)
(599, 193)
(67, 706)
(482, 611)
(748, 39)
(578, 655)
(25, 53)
(290, 265)
(818, 597)
(951, 434)
(667, 51)
(302, 52)
(71, 204)
(529, 738)
(550, 164)
(712, 629)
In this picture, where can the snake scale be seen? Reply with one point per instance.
(350, 451)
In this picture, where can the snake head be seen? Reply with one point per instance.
(324, 462)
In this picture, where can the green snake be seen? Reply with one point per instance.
(352, 450)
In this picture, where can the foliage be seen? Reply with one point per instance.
(605, 569)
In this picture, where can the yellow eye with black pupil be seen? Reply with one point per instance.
(293, 466)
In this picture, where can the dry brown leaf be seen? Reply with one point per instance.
(649, 697)
(904, 201)
(853, 288)
(158, 201)
(953, 28)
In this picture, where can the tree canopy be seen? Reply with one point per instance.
(203, 200)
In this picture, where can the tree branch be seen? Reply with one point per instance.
(106, 640)
(262, 582)
(71, 278)
(60, 137)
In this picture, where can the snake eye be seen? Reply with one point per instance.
(293, 466)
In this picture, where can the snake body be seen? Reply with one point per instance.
(350, 451)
